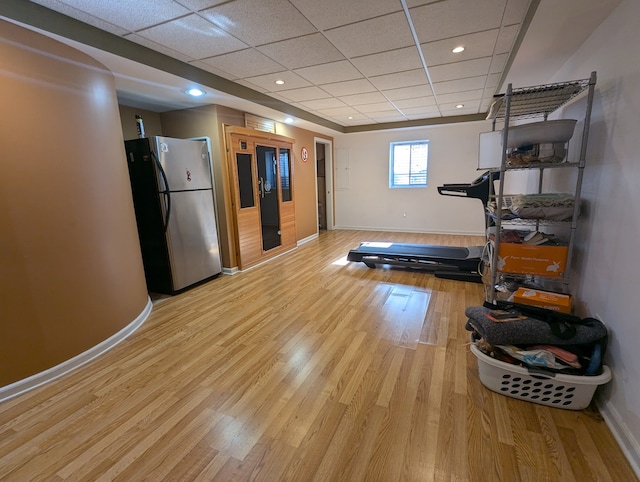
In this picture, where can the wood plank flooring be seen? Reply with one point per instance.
(303, 369)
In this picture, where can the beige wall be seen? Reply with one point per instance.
(71, 271)
(304, 179)
(152, 124)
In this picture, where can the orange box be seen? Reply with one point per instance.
(543, 299)
(530, 259)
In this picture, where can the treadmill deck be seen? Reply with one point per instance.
(451, 262)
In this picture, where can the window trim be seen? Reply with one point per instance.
(392, 184)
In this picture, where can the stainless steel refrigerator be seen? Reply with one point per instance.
(173, 199)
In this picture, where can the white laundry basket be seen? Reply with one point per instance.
(573, 392)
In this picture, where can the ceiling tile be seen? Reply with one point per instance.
(456, 112)
(134, 37)
(425, 115)
(327, 14)
(515, 11)
(376, 107)
(417, 3)
(384, 113)
(421, 111)
(372, 36)
(408, 92)
(197, 5)
(470, 105)
(453, 18)
(349, 87)
(359, 99)
(338, 58)
(450, 86)
(252, 86)
(82, 16)
(304, 94)
(460, 70)
(268, 81)
(415, 102)
(400, 79)
(388, 118)
(337, 112)
(492, 82)
(477, 45)
(457, 97)
(388, 62)
(258, 22)
(356, 119)
(193, 36)
(330, 103)
(506, 39)
(498, 63)
(244, 63)
(132, 14)
(201, 65)
(302, 51)
(329, 73)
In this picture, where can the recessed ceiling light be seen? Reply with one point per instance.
(350, 117)
(289, 120)
(195, 92)
(459, 106)
(457, 50)
(280, 82)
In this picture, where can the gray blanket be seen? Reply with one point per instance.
(529, 331)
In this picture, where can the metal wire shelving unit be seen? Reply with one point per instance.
(527, 103)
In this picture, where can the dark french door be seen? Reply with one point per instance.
(267, 163)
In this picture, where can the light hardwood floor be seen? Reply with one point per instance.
(302, 369)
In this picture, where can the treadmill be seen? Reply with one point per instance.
(450, 262)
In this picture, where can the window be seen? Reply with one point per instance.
(285, 174)
(408, 164)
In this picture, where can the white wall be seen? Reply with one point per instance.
(368, 203)
(608, 269)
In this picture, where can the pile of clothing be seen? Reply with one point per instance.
(538, 338)
(550, 206)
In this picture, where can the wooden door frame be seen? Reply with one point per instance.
(328, 176)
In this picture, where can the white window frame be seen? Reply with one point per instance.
(392, 166)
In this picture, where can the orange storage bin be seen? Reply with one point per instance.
(530, 259)
(543, 299)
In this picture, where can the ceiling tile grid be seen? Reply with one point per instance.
(350, 61)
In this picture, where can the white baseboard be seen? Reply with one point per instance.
(627, 442)
(400, 230)
(34, 381)
(230, 271)
(307, 239)
(268, 260)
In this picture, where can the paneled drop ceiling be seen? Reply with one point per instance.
(347, 62)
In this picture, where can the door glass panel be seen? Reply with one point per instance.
(245, 180)
(268, 191)
(285, 175)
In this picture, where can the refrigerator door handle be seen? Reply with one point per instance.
(166, 191)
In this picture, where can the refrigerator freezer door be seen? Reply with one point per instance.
(192, 238)
(185, 162)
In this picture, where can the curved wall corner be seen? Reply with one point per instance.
(71, 272)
